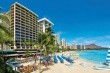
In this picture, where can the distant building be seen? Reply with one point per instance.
(78, 46)
(66, 45)
(83, 47)
(57, 38)
(69, 47)
(74, 46)
(63, 43)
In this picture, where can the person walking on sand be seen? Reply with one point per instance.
(36, 58)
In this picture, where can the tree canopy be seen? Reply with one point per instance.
(6, 35)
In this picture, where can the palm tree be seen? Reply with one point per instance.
(32, 43)
(46, 41)
(6, 34)
(24, 42)
(6, 37)
(41, 40)
(27, 54)
(50, 40)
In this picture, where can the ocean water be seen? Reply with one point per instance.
(96, 56)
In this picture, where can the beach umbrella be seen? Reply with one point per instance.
(108, 56)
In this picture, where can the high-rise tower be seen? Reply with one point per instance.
(23, 24)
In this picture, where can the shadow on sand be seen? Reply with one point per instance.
(44, 69)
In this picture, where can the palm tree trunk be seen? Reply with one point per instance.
(2, 49)
(25, 46)
(2, 46)
(2, 54)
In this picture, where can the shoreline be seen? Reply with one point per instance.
(85, 60)
(79, 66)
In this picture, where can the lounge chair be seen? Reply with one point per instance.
(67, 59)
(55, 59)
(61, 59)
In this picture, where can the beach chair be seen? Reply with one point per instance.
(67, 59)
(61, 59)
(55, 59)
(106, 65)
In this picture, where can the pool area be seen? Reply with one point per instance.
(14, 63)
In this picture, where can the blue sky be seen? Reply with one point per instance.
(78, 21)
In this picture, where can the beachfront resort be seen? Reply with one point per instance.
(28, 45)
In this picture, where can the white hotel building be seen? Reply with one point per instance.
(43, 24)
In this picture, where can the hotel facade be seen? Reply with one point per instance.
(25, 26)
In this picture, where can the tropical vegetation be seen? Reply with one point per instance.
(6, 36)
(46, 41)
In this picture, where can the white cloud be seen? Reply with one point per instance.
(82, 40)
(60, 32)
(77, 40)
(99, 40)
(90, 41)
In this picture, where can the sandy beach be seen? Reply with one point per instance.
(79, 66)
(75, 68)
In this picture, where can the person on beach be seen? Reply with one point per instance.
(36, 58)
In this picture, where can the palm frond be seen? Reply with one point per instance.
(6, 29)
(5, 18)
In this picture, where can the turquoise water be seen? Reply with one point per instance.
(93, 55)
